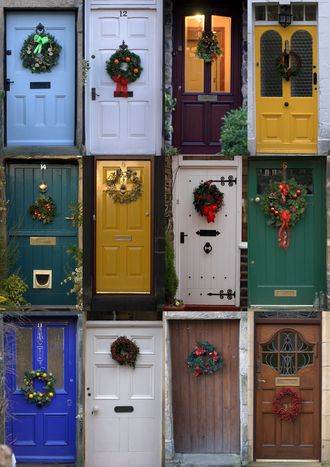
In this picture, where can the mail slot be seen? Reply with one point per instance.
(39, 84)
(207, 98)
(124, 409)
(123, 238)
(208, 233)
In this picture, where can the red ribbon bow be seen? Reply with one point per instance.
(209, 212)
(121, 85)
(284, 231)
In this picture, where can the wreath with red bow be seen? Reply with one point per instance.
(204, 359)
(287, 404)
(283, 64)
(123, 67)
(284, 203)
(208, 200)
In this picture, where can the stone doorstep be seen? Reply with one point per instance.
(205, 460)
(285, 464)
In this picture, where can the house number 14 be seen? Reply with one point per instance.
(123, 12)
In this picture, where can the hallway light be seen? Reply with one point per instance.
(285, 16)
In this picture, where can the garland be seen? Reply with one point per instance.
(43, 209)
(40, 51)
(124, 351)
(284, 204)
(208, 200)
(123, 67)
(37, 397)
(287, 412)
(122, 195)
(204, 359)
(208, 47)
(282, 65)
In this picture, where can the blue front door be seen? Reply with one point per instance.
(40, 106)
(46, 434)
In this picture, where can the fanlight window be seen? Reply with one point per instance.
(287, 352)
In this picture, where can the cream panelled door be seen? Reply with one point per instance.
(123, 405)
(286, 110)
(122, 125)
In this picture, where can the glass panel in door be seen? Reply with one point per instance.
(194, 66)
(221, 67)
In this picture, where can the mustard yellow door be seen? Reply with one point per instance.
(286, 110)
(123, 233)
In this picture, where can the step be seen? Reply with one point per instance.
(296, 463)
(205, 460)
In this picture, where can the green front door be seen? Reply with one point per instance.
(296, 275)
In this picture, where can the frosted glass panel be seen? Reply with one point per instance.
(56, 355)
(23, 354)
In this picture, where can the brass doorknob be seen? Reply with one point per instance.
(286, 104)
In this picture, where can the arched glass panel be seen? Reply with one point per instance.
(270, 50)
(302, 45)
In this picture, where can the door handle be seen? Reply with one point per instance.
(182, 235)
(69, 218)
(95, 410)
(261, 381)
(94, 94)
(315, 78)
(286, 104)
(7, 84)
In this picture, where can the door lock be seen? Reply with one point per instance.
(94, 94)
(182, 235)
(7, 84)
(286, 104)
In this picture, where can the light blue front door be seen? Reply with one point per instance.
(40, 106)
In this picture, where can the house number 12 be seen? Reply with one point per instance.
(123, 12)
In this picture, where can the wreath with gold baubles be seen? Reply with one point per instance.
(40, 51)
(287, 404)
(208, 200)
(43, 209)
(124, 351)
(208, 47)
(117, 186)
(204, 359)
(283, 64)
(46, 395)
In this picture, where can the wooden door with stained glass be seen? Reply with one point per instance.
(205, 91)
(287, 357)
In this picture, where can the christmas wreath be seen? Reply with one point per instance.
(40, 398)
(43, 209)
(287, 404)
(208, 200)
(122, 195)
(123, 67)
(204, 359)
(40, 51)
(282, 64)
(208, 47)
(124, 351)
(284, 204)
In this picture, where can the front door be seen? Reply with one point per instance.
(296, 275)
(286, 110)
(205, 91)
(123, 232)
(124, 404)
(40, 435)
(40, 251)
(287, 357)
(40, 106)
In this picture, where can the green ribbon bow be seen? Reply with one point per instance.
(40, 41)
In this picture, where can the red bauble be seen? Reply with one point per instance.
(294, 196)
(298, 192)
(276, 213)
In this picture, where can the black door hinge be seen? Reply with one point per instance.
(222, 294)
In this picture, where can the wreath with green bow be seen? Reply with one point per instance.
(40, 51)
(208, 47)
(119, 183)
(43, 397)
(43, 209)
(204, 359)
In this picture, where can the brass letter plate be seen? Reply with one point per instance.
(123, 238)
(45, 241)
(287, 381)
(207, 98)
(285, 293)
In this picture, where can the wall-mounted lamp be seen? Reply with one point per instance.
(285, 16)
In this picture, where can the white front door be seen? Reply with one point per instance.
(123, 405)
(120, 125)
(208, 253)
(40, 106)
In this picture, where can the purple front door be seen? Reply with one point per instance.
(46, 434)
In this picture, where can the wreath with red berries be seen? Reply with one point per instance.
(43, 209)
(43, 397)
(287, 404)
(204, 359)
(282, 65)
(284, 203)
(124, 351)
(208, 200)
(208, 47)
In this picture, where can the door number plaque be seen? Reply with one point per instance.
(287, 381)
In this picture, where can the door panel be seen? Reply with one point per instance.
(41, 116)
(205, 91)
(123, 236)
(301, 267)
(291, 352)
(119, 439)
(287, 111)
(46, 434)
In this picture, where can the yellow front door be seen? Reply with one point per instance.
(123, 234)
(286, 110)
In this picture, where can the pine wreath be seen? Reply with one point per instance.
(40, 51)
(123, 67)
(204, 359)
(208, 47)
(208, 200)
(40, 398)
(282, 65)
(287, 404)
(122, 195)
(284, 203)
(124, 351)
(43, 209)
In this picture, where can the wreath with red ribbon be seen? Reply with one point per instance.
(287, 404)
(283, 64)
(123, 67)
(208, 200)
(204, 359)
(284, 203)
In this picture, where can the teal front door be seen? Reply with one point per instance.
(39, 251)
(296, 275)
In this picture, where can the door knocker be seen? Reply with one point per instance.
(207, 248)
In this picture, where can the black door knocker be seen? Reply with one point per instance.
(207, 248)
